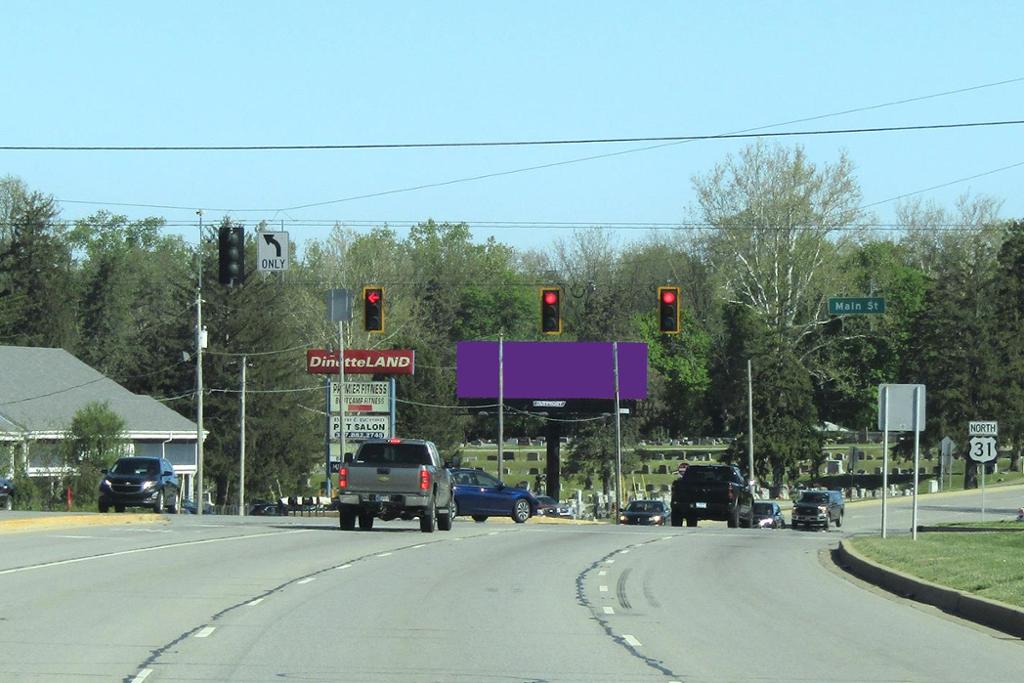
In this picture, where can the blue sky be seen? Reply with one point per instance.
(244, 73)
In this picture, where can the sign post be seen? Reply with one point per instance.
(900, 408)
(983, 450)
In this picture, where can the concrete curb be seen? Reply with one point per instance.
(991, 613)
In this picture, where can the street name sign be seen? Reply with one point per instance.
(856, 305)
(362, 397)
(271, 251)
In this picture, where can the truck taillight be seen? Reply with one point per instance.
(343, 478)
(424, 480)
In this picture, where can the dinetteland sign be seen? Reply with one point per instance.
(362, 361)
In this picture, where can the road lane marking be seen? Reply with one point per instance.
(135, 551)
(603, 589)
(602, 573)
(383, 554)
(610, 561)
(205, 632)
(609, 610)
(305, 580)
(70, 536)
(142, 675)
(421, 545)
(253, 603)
(623, 552)
(493, 533)
(631, 640)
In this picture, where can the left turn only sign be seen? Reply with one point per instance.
(271, 251)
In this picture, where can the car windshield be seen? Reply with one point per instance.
(815, 497)
(707, 474)
(644, 506)
(142, 468)
(547, 500)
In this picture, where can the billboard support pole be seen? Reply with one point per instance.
(618, 436)
(885, 452)
(501, 404)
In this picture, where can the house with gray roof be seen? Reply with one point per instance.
(41, 389)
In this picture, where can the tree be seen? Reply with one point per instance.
(95, 438)
(1009, 288)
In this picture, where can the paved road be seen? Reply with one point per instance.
(253, 599)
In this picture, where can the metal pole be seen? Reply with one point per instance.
(341, 383)
(501, 403)
(327, 431)
(618, 436)
(885, 452)
(750, 425)
(983, 467)
(917, 458)
(199, 370)
(241, 448)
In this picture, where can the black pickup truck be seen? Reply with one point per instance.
(716, 492)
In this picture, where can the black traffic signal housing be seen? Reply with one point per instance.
(551, 310)
(231, 255)
(373, 309)
(668, 310)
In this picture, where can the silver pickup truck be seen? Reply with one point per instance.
(395, 479)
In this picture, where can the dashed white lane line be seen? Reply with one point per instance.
(205, 631)
(493, 533)
(609, 561)
(345, 566)
(421, 545)
(142, 675)
(305, 580)
(383, 554)
(603, 589)
(609, 610)
(631, 640)
(623, 552)
(253, 603)
(602, 573)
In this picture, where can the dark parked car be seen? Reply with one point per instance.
(267, 508)
(650, 512)
(480, 495)
(140, 482)
(818, 507)
(549, 507)
(768, 515)
(6, 494)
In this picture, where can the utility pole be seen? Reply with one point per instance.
(501, 403)
(618, 436)
(750, 425)
(241, 447)
(200, 342)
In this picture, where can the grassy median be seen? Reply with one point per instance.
(985, 563)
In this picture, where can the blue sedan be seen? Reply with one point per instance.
(480, 495)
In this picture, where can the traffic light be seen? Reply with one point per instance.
(551, 310)
(373, 309)
(231, 255)
(668, 310)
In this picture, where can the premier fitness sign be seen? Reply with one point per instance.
(362, 361)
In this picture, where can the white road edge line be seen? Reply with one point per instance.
(205, 632)
(631, 640)
(142, 675)
(609, 610)
(305, 580)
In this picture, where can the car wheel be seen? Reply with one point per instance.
(454, 507)
(827, 524)
(734, 518)
(119, 508)
(839, 520)
(365, 521)
(428, 520)
(444, 519)
(677, 519)
(347, 518)
(479, 518)
(175, 507)
(521, 511)
(104, 507)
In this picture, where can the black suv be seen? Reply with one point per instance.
(140, 482)
(6, 494)
(716, 492)
(818, 507)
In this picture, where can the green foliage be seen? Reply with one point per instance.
(96, 438)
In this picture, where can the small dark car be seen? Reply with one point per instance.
(140, 482)
(649, 512)
(768, 515)
(818, 507)
(480, 495)
(6, 494)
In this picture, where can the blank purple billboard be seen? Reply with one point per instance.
(550, 370)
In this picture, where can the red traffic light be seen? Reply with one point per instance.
(668, 296)
(373, 296)
(668, 310)
(551, 311)
(373, 309)
(550, 297)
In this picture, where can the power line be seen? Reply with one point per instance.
(499, 143)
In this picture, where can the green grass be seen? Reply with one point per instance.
(988, 564)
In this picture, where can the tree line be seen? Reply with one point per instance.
(772, 236)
